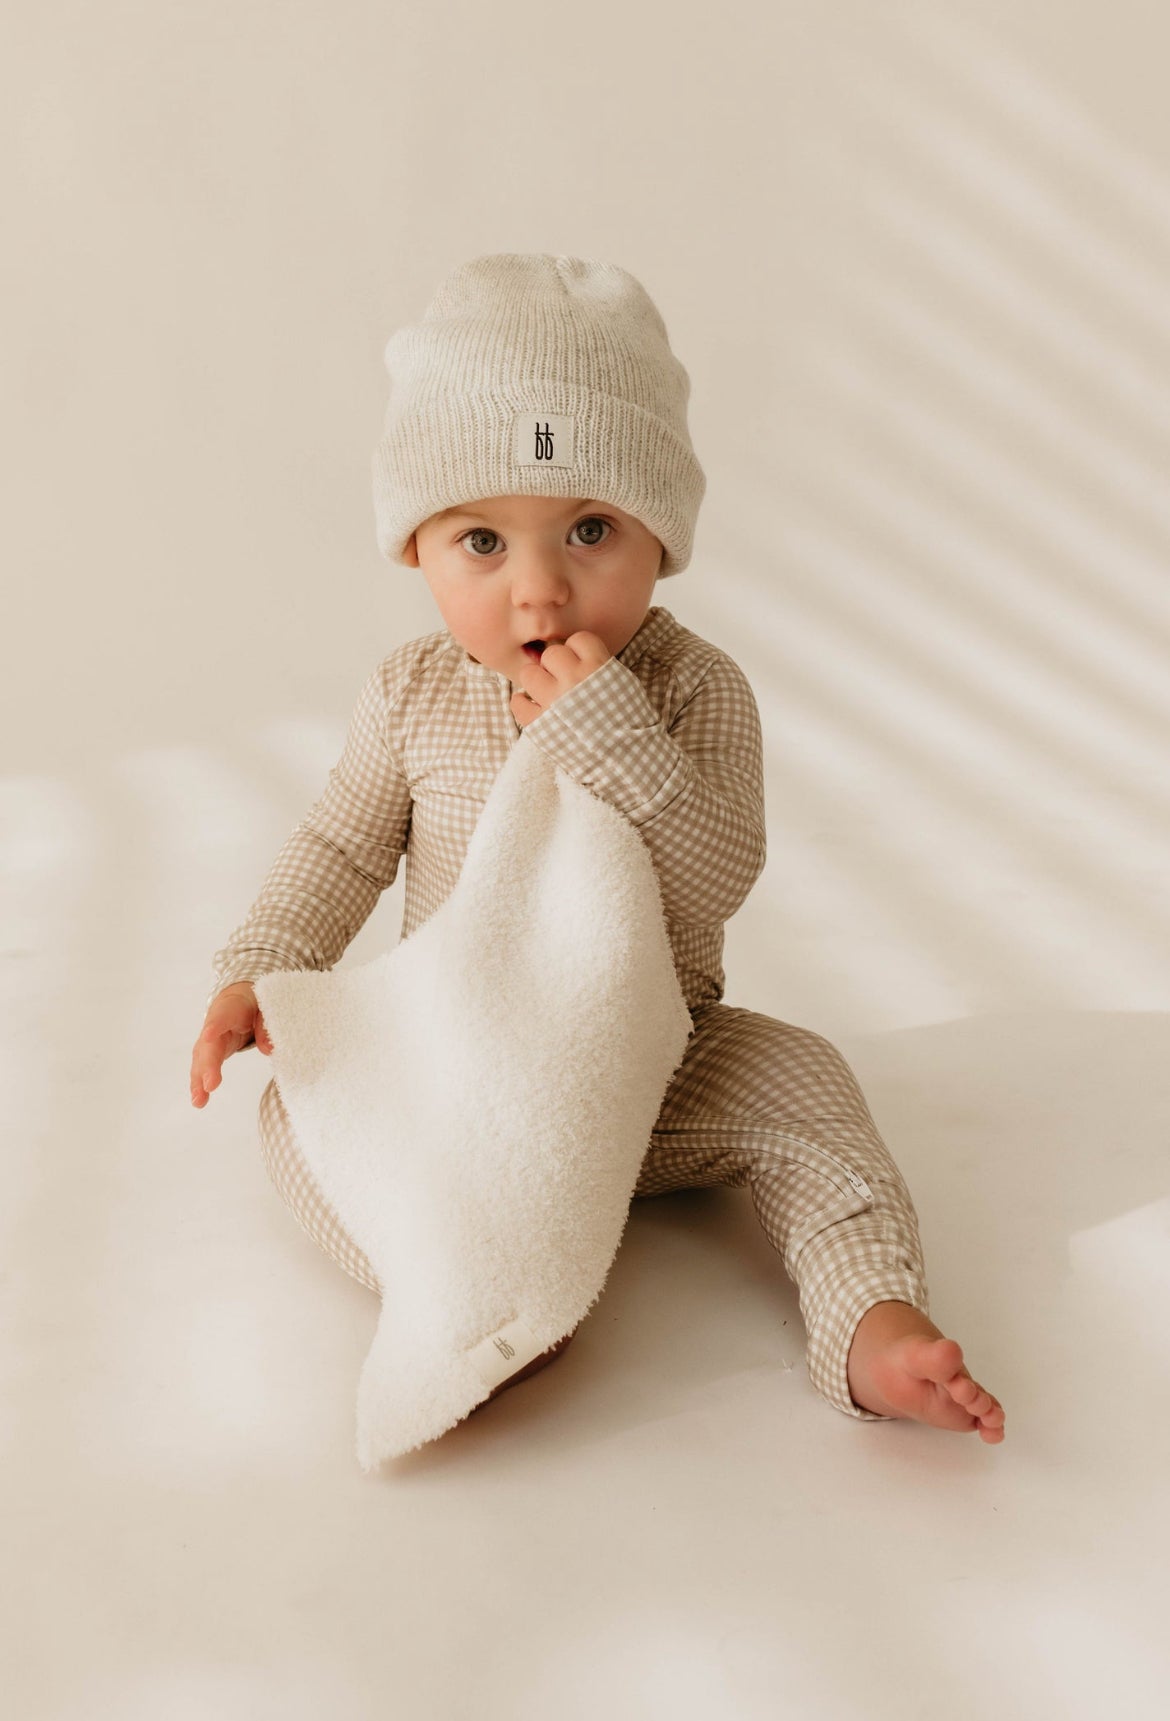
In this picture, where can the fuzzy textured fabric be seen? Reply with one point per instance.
(476, 1103)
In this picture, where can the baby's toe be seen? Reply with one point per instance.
(976, 1400)
(967, 1392)
(961, 1387)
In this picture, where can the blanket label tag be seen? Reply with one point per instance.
(504, 1353)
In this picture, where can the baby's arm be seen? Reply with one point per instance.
(323, 884)
(695, 791)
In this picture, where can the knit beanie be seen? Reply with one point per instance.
(534, 375)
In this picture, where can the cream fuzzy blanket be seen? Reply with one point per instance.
(476, 1103)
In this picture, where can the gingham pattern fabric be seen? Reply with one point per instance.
(669, 733)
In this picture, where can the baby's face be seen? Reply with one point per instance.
(517, 568)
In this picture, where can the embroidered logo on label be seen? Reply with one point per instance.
(504, 1353)
(542, 439)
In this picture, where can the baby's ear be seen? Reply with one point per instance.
(410, 552)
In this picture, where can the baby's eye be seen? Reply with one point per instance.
(588, 525)
(591, 521)
(480, 532)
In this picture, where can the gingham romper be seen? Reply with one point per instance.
(669, 733)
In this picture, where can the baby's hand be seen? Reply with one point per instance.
(233, 1020)
(561, 668)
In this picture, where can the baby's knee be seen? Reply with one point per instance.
(799, 1055)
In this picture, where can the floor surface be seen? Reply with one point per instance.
(668, 1522)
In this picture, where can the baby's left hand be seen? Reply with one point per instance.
(561, 667)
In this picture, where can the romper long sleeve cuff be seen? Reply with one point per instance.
(694, 790)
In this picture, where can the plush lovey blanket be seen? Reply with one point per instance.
(476, 1103)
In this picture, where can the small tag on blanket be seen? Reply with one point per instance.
(505, 1352)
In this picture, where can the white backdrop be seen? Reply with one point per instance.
(915, 260)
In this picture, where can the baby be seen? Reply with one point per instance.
(536, 467)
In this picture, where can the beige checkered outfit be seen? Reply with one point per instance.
(669, 733)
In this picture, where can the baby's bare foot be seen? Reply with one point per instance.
(900, 1364)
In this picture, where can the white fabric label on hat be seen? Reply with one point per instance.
(542, 439)
(504, 1353)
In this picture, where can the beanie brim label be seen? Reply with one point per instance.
(542, 439)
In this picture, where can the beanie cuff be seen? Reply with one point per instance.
(460, 447)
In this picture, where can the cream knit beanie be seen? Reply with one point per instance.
(534, 375)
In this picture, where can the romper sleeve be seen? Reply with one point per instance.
(694, 789)
(323, 884)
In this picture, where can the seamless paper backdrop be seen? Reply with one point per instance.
(914, 259)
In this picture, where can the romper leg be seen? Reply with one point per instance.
(290, 1173)
(758, 1101)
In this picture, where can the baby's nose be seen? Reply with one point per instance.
(538, 577)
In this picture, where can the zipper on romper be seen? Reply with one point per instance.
(859, 1183)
